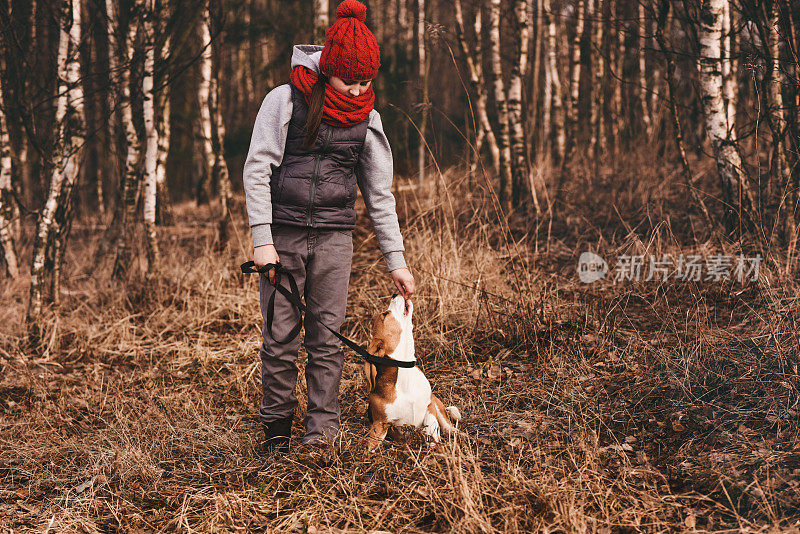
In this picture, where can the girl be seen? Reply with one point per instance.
(316, 141)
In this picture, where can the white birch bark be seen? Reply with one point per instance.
(484, 132)
(730, 66)
(662, 21)
(113, 70)
(422, 72)
(203, 96)
(151, 145)
(131, 183)
(501, 105)
(647, 119)
(574, 83)
(321, 20)
(597, 137)
(6, 196)
(533, 108)
(163, 126)
(729, 163)
(619, 66)
(518, 70)
(787, 200)
(53, 220)
(554, 84)
(212, 126)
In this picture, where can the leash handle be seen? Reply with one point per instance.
(292, 295)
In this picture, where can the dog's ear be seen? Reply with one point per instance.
(369, 374)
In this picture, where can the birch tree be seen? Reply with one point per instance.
(211, 125)
(730, 66)
(473, 57)
(53, 224)
(321, 20)
(597, 136)
(533, 107)
(152, 141)
(556, 108)
(661, 21)
(574, 84)
(619, 67)
(422, 72)
(501, 106)
(786, 186)
(131, 181)
(647, 119)
(7, 215)
(515, 116)
(163, 119)
(729, 163)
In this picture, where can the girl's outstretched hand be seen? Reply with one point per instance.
(404, 282)
(266, 254)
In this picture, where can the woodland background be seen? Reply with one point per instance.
(524, 133)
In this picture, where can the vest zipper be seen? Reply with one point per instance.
(315, 177)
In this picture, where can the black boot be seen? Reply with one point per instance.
(276, 437)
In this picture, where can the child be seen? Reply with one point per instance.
(315, 141)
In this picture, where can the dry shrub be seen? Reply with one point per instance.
(589, 408)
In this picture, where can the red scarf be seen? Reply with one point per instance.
(338, 109)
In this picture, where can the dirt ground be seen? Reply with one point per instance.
(608, 407)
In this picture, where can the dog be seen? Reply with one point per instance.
(401, 396)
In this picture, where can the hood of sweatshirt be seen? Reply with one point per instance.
(307, 56)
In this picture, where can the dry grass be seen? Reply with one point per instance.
(600, 408)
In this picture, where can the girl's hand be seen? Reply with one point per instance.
(404, 282)
(266, 254)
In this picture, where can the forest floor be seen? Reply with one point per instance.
(604, 407)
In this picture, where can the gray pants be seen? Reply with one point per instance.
(320, 261)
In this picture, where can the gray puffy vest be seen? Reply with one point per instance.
(317, 186)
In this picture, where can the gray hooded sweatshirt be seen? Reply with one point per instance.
(374, 171)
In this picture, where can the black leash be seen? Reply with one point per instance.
(293, 296)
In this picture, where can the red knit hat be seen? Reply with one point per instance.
(351, 51)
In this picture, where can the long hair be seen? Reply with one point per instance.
(315, 110)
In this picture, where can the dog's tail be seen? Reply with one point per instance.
(454, 413)
(444, 416)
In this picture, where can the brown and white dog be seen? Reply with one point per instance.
(401, 396)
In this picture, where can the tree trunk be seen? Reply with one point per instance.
(213, 128)
(321, 20)
(132, 180)
(730, 66)
(7, 215)
(786, 188)
(53, 224)
(422, 72)
(163, 215)
(515, 117)
(483, 129)
(619, 56)
(571, 126)
(152, 142)
(501, 105)
(688, 180)
(534, 134)
(597, 139)
(729, 163)
(647, 119)
(554, 85)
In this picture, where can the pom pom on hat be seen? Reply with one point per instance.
(351, 51)
(352, 8)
